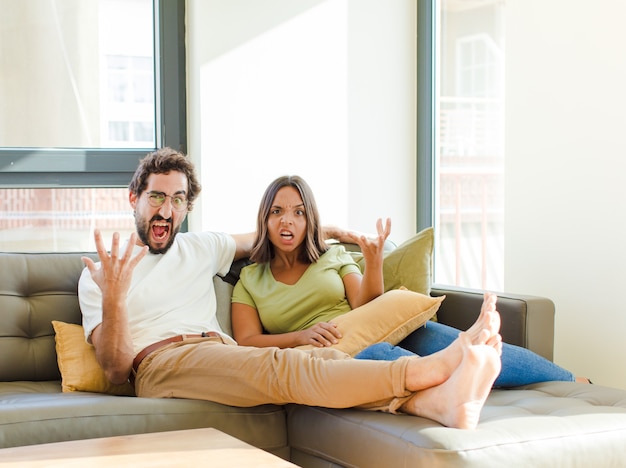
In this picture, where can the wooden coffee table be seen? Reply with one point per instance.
(193, 447)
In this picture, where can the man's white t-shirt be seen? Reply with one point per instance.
(171, 293)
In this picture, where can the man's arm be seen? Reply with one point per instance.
(246, 241)
(116, 359)
(244, 244)
(111, 339)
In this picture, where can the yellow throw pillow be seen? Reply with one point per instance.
(388, 318)
(80, 371)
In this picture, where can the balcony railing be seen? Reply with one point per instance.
(470, 193)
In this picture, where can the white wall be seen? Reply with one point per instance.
(565, 174)
(382, 78)
(323, 89)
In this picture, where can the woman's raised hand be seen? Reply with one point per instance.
(373, 247)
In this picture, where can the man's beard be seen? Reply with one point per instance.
(143, 231)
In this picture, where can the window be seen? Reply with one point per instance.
(61, 220)
(128, 103)
(461, 134)
(83, 99)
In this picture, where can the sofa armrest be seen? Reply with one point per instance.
(527, 321)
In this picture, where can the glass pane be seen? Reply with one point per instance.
(62, 220)
(73, 69)
(469, 164)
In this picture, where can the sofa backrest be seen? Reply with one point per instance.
(37, 288)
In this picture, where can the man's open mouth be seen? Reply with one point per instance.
(160, 230)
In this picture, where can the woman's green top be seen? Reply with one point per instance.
(318, 296)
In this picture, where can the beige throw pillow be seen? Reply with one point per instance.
(80, 371)
(388, 318)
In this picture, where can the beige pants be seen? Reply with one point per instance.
(207, 369)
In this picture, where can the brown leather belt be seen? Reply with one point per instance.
(159, 344)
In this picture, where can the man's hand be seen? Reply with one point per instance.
(331, 232)
(353, 237)
(115, 273)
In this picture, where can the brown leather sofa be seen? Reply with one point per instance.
(549, 424)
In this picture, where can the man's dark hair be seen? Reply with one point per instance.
(163, 161)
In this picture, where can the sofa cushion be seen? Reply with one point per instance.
(547, 424)
(79, 368)
(38, 412)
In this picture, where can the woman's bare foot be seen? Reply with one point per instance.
(583, 380)
(459, 400)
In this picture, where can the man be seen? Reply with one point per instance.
(149, 309)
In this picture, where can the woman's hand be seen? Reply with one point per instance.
(361, 290)
(373, 248)
(321, 334)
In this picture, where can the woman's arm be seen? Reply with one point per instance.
(361, 290)
(248, 331)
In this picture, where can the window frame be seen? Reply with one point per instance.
(426, 113)
(114, 167)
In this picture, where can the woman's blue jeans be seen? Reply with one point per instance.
(520, 366)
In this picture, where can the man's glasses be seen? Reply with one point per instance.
(156, 199)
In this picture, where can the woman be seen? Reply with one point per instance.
(298, 284)
(292, 265)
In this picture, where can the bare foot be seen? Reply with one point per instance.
(459, 400)
(428, 371)
(436, 368)
(489, 319)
